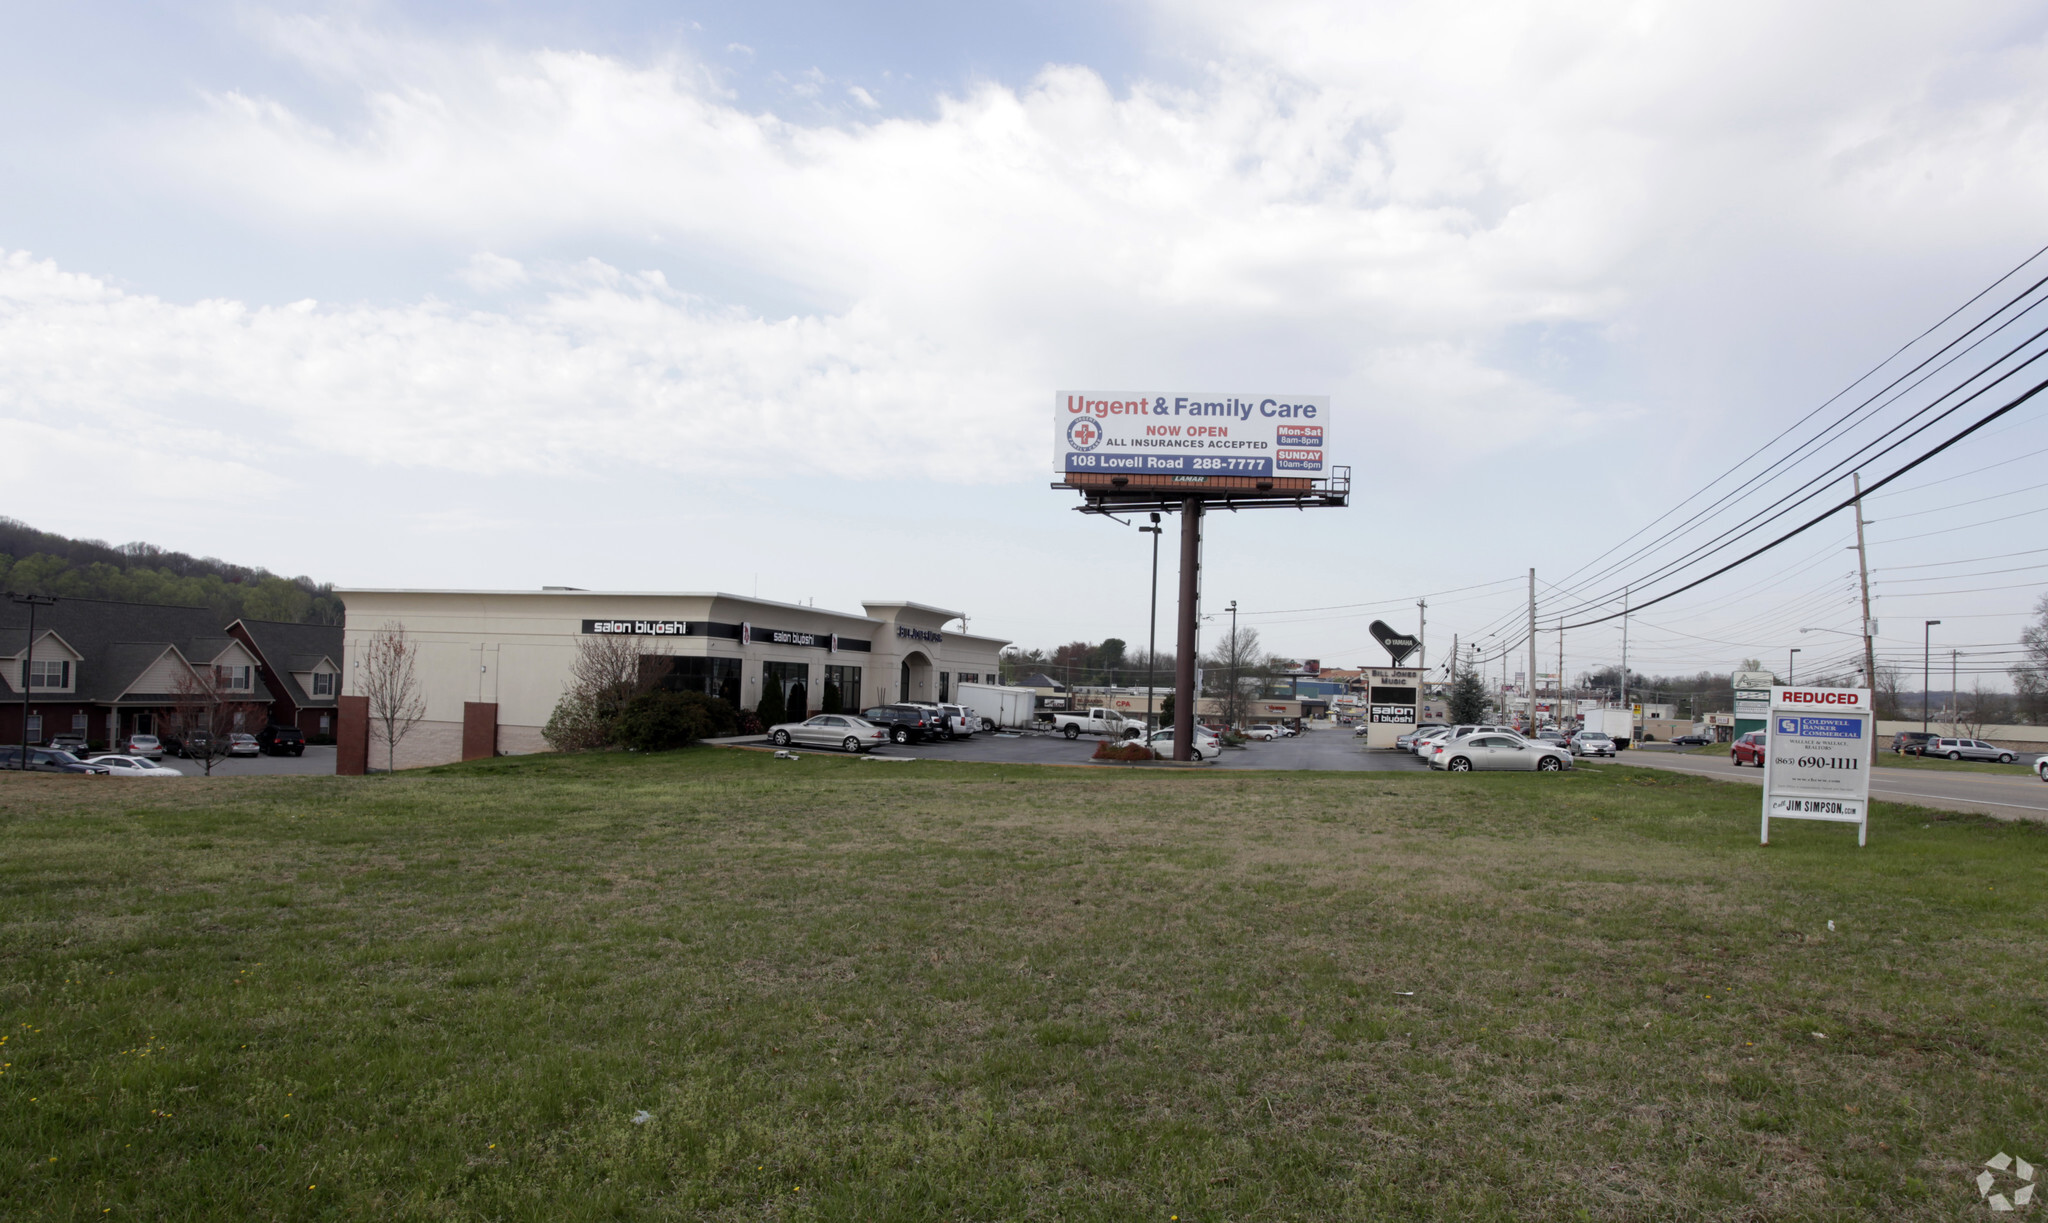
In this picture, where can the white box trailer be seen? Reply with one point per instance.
(1004, 708)
(1616, 724)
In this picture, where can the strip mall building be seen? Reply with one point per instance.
(493, 663)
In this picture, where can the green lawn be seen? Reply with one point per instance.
(854, 991)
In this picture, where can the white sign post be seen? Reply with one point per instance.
(1817, 757)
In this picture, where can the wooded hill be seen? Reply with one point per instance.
(37, 562)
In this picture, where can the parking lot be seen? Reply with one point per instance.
(1334, 749)
(316, 761)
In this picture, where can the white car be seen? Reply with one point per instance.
(1207, 745)
(134, 766)
(2041, 766)
(1500, 751)
(1431, 746)
(841, 730)
(1265, 733)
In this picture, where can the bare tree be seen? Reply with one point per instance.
(608, 671)
(390, 679)
(201, 719)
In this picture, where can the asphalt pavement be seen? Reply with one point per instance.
(317, 761)
(2020, 796)
(1335, 749)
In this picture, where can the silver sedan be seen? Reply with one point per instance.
(1500, 752)
(841, 730)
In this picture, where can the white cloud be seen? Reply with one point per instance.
(1360, 200)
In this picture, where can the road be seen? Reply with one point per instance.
(2019, 797)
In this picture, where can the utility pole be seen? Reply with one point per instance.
(1422, 634)
(1869, 646)
(1559, 711)
(1531, 725)
(1624, 650)
(28, 656)
(1152, 641)
(1454, 658)
(1955, 703)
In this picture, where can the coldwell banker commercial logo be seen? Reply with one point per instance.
(1084, 434)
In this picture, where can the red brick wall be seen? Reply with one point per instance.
(352, 737)
(479, 730)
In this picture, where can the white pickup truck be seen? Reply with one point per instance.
(1095, 722)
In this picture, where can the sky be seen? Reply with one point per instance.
(774, 297)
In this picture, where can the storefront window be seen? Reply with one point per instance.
(945, 687)
(793, 681)
(719, 677)
(842, 690)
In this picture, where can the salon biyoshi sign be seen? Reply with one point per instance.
(1817, 757)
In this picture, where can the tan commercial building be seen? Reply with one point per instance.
(493, 663)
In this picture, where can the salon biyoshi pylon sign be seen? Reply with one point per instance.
(1178, 435)
(1817, 757)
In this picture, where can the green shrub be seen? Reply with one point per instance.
(661, 721)
(770, 710)
(577, 725)
(1129, 752)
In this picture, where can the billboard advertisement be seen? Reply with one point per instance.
(1171, 434)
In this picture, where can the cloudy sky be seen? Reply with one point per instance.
(774, 296)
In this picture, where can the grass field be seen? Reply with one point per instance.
(850, 991)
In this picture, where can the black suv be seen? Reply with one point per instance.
(1912, 742)
(906, 723)
(47, 760)
(281, 741)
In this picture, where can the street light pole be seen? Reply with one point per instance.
(28, 655)
(1230, 711)
(1924, 638)
(1788, 665)
(1152, 642)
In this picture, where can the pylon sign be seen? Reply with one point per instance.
(1817, 757)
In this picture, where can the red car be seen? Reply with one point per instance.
(1749, 749)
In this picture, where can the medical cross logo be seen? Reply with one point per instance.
(1084, 434)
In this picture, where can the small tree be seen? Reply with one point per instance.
(390, 679)
(1468, 697)
(201, 719)
(607, 673)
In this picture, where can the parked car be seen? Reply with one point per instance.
(75, 744)
(196, 746)
(1430, 747)
(1591, 743)
(1500, 752)
(134, 766)
(1206, 746)
(960, 720)
(1264, 732)
(1553, 737)
(282, 741)
(1749, 749)
(147, 746)
(1968, 749)
(240, 744)
(2041, 766)
(1690, 740)
(48, 760)
(841, 730)
(1909, 742)
(905, 723)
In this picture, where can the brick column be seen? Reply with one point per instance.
(479, 730)
(352, 736)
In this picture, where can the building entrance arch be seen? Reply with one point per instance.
(915, 682)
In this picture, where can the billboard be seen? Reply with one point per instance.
(1176, 434)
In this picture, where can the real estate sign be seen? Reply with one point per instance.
(1817, 757)
(1178, 433)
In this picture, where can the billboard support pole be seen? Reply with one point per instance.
(1190, 608)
